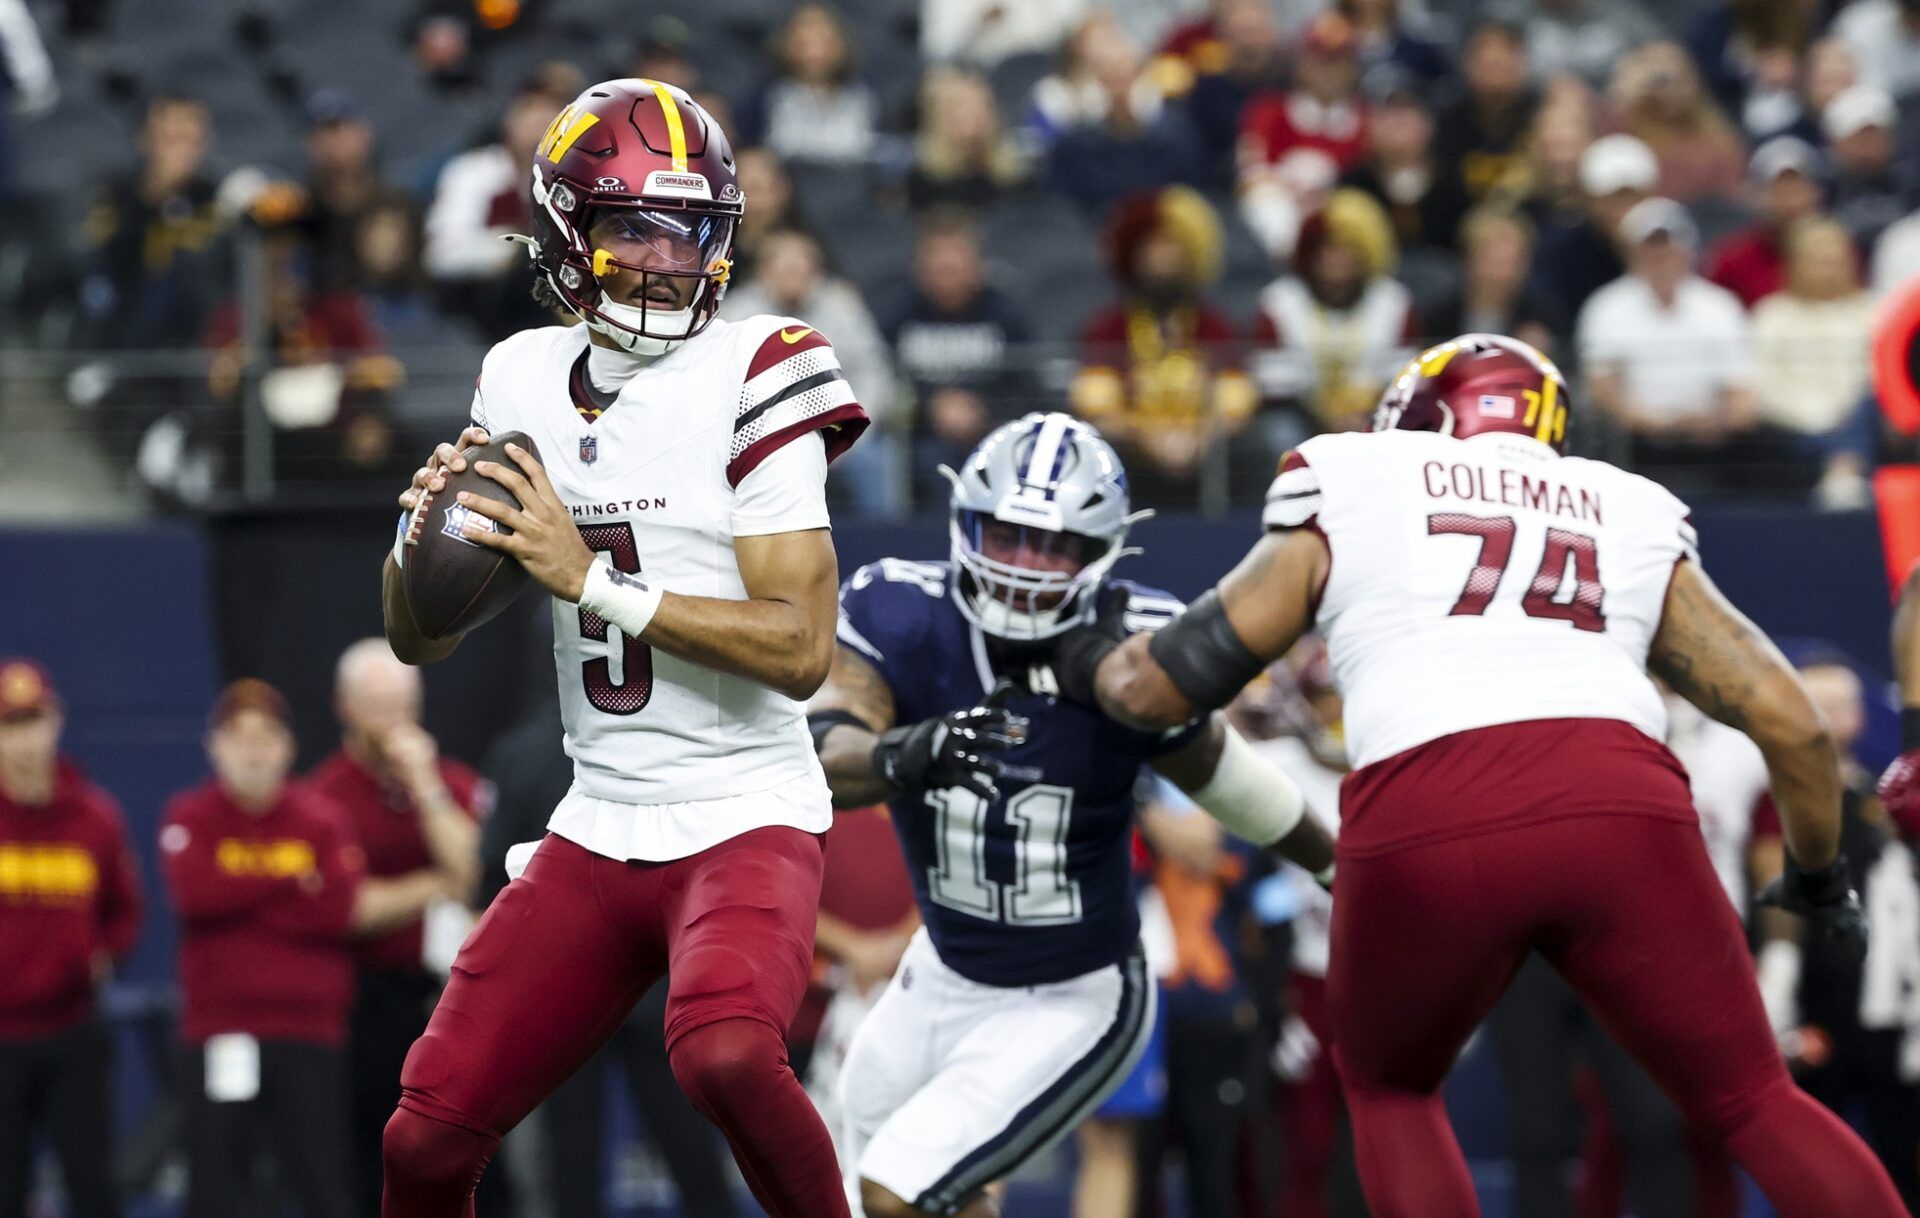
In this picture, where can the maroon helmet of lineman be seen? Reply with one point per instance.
(634, 175)
(1475, 384)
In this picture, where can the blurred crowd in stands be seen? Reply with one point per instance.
(1213, 226)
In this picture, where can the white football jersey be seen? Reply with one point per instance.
(1482, 581)
(714, 440)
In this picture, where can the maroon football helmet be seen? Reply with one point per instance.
(635, 175)
(1479, 383)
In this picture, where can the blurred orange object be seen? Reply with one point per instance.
(497, 14)
(1894, 367)
(1897, 489)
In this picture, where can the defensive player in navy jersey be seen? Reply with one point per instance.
(1024, 1000)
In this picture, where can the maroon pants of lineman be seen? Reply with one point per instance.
(1576, 839)
(554, 967)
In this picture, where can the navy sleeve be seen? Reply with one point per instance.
(1148, 609)
(885, 609)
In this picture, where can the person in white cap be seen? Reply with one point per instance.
(1784, 178)
(1871, 189)
(1616, 172)
(1665, 352)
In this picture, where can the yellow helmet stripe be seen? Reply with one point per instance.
(1550, 412)
(676, 129)
(558, 142)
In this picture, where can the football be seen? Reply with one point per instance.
(454, 584)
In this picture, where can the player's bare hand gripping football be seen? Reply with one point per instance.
(403, 635)
(780, 636)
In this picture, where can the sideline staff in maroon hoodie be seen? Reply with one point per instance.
(263, 876)
(69, 904)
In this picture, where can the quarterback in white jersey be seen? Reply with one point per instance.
(679, 521)
(1492, 608)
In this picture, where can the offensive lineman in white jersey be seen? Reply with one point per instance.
(680, 522)
(1491, 608)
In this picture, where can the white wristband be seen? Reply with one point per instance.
(623, 600)
(1250, 796)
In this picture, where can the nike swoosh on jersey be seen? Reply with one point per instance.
(794, 336)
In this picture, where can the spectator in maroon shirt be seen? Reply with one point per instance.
(414, 815)
(265, 880)
(1162, 369)
(69, 905)
(1784, 175)
(1295, 144)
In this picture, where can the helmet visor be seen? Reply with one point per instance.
(673, 242)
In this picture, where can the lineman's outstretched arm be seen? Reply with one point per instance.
(1204, 658)
(1721, 662)
(1716, 659)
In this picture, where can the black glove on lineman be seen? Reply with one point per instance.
(952, 750)
(1826, 898)
(1078, 652)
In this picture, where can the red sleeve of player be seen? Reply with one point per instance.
(119, 883)
(794, 386)
(1766, 820)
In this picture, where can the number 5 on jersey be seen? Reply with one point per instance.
(636, 658)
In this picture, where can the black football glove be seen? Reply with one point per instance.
(1825, 898)
(952, 750)
(1077, 653)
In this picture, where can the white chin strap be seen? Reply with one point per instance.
(630, 318)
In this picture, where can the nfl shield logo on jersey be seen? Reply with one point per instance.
(589, 449)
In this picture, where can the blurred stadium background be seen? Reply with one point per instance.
(249, 264)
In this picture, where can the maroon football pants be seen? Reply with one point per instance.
(1628, 909)
(558, 962)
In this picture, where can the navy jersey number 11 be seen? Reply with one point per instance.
(1036, 886)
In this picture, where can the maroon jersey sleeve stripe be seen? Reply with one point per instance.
(777, 346)
(842, 425)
